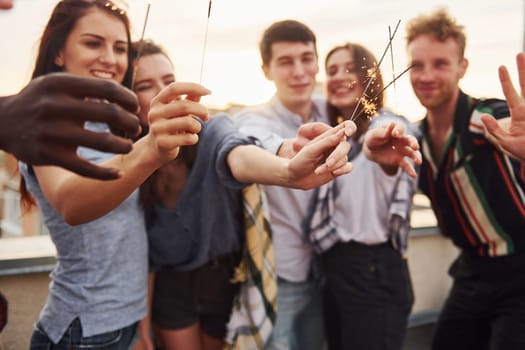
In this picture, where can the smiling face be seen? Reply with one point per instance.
(153, 73)
(293, 67)
(96, 47)
(437, 68)
(343, 88)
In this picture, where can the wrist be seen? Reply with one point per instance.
(146, 152)
(287, 175)
(286, 149)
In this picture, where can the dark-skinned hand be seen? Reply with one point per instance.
(44, 123)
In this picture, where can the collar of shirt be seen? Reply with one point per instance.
(317, 113)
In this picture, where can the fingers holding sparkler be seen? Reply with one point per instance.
(309, 131)
(336, 161)
(181, 98)
(329, 150)
(172, 117)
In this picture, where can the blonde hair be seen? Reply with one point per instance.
(440, 25)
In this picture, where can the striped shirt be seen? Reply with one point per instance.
(477, 192)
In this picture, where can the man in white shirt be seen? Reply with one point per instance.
(289, 55)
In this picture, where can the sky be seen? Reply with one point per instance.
(228, 53)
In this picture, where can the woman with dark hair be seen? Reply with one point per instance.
(63, 20)
(194, 214)
(58, 101)
(98, 289)
(367, 212)
(191, 292)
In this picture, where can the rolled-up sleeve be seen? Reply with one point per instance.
(224, 131)
(263, 129)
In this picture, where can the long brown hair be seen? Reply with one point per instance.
(366, 61)
(61, 22)
(149, 194)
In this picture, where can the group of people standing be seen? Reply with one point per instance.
(147, 259)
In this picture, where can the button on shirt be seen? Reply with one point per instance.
(476, 191)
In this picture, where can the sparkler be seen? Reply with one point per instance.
(145, 20)
(139, 52)
(205, 41)
(390, 37)
(367, 104)
(393, 82)
(392, 63)
(141, 42)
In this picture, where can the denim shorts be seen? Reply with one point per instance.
(120, 339)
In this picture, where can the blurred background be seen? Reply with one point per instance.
(231, 69)
(231, 60)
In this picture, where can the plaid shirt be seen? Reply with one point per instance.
(254, 311)
(319, 227)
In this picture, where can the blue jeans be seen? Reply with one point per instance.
(299, 323)
(121, 339)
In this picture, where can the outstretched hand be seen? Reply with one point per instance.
(390, 147)
(172, 118)
(509, 135)
(324, 157)
(307, 132)
(44, 123)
